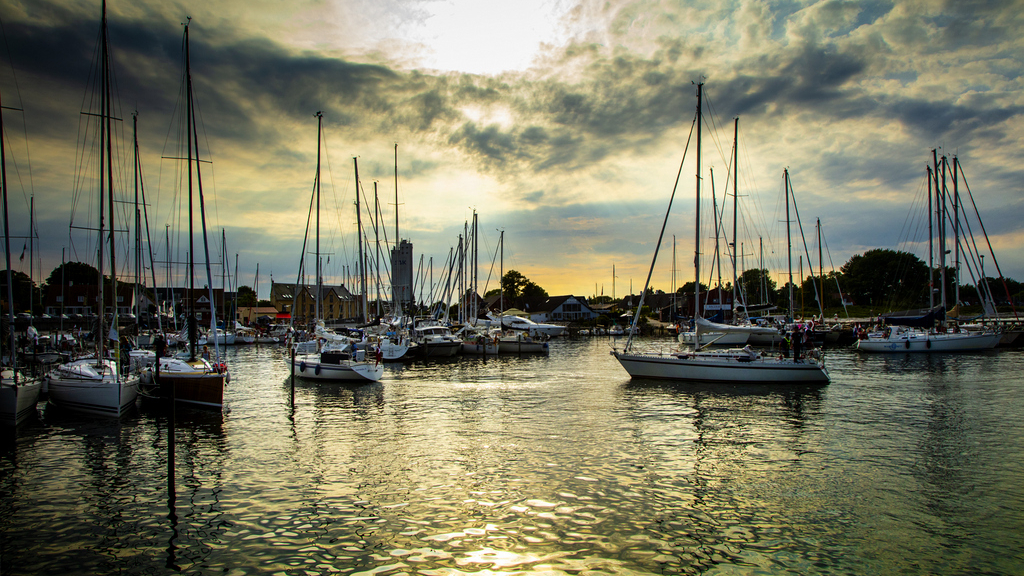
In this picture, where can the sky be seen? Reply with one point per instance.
(562, 123)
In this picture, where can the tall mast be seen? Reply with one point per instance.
(931, 247)
(735, 202)
(397, 237)
(319, 277)
(202, 203)
(7, 250)
(359, 242)
(956, 232)
(104, 135)
(138, 215)
(789, 247)
(190, 321)
(696, 251)
(821, 276)
(942, 234)
(376, 243)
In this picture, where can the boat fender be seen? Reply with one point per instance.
(907, 343)
(927, 343)
(316, 370)
(227, 377)
(302, 366)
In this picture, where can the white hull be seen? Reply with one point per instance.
(83, 386)
(17, 403)
(916, 341)
(309, 366)
(724, 367)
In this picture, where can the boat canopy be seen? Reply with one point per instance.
(916, 318)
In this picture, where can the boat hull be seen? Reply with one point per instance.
(922, 342)
(724, 368)
(205, 390)
(18, 403)
(310, 367)
(521, 345)
(480, 349)
(445, 349)
(107, 396)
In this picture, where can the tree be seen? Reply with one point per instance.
(533, 296)
(513, 284)
(247, 296)
(73, 273)
(757, 286)
(21, 287)
(887, 278)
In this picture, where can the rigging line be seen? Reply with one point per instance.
(988, 242)
(807, 252)
(661, 236)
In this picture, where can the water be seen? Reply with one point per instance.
(548, 465)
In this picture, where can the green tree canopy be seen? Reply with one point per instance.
(247, 296)
(887, 278)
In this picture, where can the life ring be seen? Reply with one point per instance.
(302, 366)
(316, 370)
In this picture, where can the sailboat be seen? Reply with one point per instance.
(193, 379)
(330, 356)
(18, 394)
(100, 385)
(907, 335)
(742, 365)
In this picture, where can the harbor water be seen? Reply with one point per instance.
(554, 464)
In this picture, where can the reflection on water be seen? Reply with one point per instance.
(556, 463)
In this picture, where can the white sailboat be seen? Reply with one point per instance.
(18, 394)
(329, 356)
(743, 365)
(99, 385)
(192, 379)
(943, 338)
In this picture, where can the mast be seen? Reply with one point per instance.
(7, 250)
(202, 203)
(376, 242)
(696, 251)
(104, 136)
(190, 320)
(138, 218)
(931, 248)
(821, 276)
(735, 202)
(789, 247)
(942, 234)
(956, 234)
(319, 278)
(359, 243)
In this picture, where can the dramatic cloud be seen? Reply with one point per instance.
(574, 156)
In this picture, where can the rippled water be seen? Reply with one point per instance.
(552, 465)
